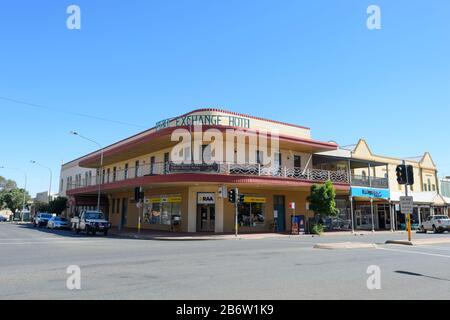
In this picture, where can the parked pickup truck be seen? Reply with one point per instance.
(90, 222)
(437, 224)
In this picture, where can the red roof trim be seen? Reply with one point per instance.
(167, 131)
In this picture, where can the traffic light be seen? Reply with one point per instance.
(410, 174)
(405, 174)
(241, 198)
(232, 195)
(401, 174)
(138, 194)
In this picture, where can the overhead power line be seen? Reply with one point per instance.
(79, 114)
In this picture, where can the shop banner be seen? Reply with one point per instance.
(248, 199)
(370, 193)
(163, 199)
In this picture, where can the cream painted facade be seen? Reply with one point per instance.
(425, 171)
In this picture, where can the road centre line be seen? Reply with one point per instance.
(415, 252)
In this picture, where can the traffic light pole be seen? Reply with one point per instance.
(236, 219)
(408, 216)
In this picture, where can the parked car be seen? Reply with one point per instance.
(90, 222)
(58, 223)
(41, 219)
(3, 219)
(437, 224)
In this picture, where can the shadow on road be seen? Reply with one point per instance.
(408, 273)
(63, 233)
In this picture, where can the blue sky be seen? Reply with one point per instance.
(312, 63)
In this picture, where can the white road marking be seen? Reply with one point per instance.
(433, 247)
(416, 252)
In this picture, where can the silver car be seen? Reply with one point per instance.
(58, 223)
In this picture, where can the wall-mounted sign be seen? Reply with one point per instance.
(192, 167)
(206, 198)
(370, 193)
(204, 119)
(163, 199)
(249, 199)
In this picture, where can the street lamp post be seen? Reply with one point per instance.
(24, 189)
(51, 177)
(75, 133)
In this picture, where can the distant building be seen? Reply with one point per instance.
(445, 187)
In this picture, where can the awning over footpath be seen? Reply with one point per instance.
(431, 198)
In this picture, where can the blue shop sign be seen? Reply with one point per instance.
(371, 193)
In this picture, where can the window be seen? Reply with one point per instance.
(206, 153)
(103, 176)
(251, 214)
(136, 169)
(162, 209)
(429, 184)
(114, 174)
(108, 171)
(90, 178)
(166, 163)
(187, 154)
(277, 160)
(434, 187)
(259, 157)
(297, 162)
(425, 187)
(152, 165)
(61, 185)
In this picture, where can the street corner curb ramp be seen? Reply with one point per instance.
(345, 245)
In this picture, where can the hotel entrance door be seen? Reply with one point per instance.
(206, 217)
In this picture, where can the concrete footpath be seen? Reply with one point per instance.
(199, 236)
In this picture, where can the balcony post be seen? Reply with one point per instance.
(370, 176)
(259, 169)
(285, 171)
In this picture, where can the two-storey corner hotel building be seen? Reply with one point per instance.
(186, 164)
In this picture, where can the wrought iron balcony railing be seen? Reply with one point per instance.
(313, 175)
(365, 181)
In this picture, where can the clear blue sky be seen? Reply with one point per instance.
(312, 63)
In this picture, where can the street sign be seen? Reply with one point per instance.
(406, 205)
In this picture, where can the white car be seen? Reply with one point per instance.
(437, 224)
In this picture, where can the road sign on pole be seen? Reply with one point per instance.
(406, 205)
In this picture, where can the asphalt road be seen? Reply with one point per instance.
(33, 265)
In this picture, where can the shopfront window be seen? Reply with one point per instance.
(251, 212)
(162, 210)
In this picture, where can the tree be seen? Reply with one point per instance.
(58, 205)
(13, 199)
(7, 184)
(322, 199)
(42, 206)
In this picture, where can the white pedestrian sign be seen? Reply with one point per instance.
(406, 205)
